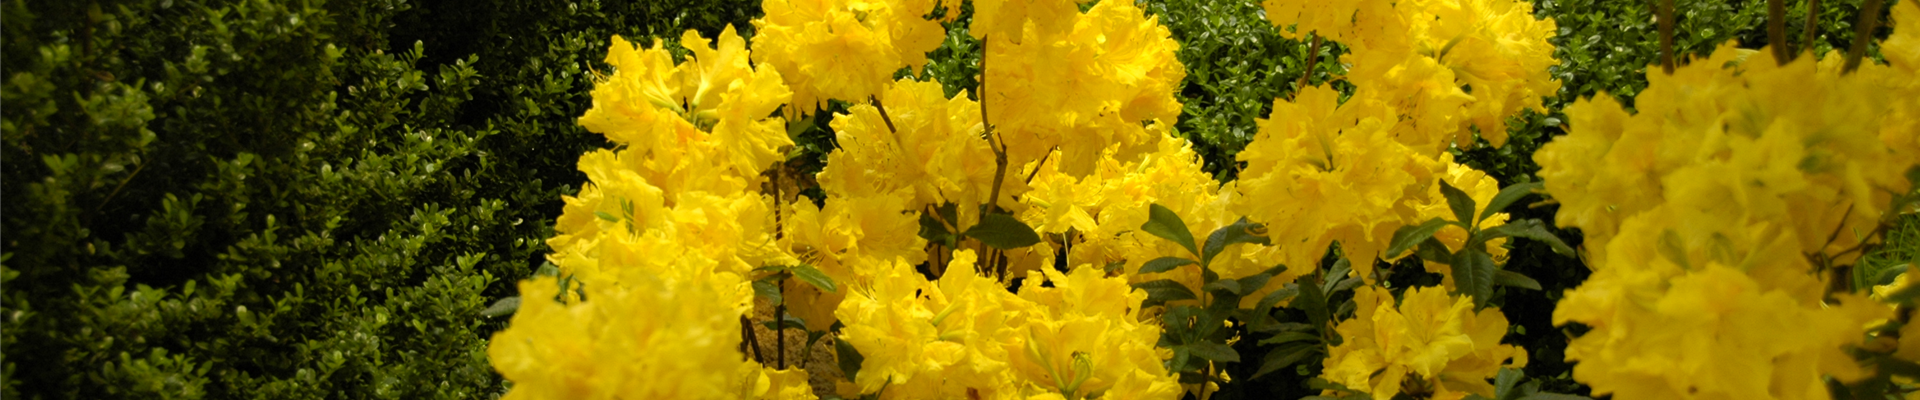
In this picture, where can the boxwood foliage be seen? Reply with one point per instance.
(288, 199)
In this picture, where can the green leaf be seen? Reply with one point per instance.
(1341, 268)
(1239, 232)
(850, 358)
(1163, 264)
(1274, 298)
(1312, 301)
(1164, 290)
(767, 288)
(546, 269)
(1515, 279)
(605, 216)
(1507, 196)
(1223, 287)
(1113, 266)
(1408, 236)
(1554, 396)
(1285, 356)
(1504, 382)
(501, 307)
(1003, 232)
(1459, 201)
(1473, 274)
(813, 276)
(1218, 352)
(1433, 250)
(1164, 223)
(787, 322)
(1530, 229)
(1289, 337)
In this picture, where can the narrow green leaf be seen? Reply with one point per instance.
(1274, 298)
(850, 358)
(1508, 195)
(504, 306)
(1003, 232)
(1164, 290)
(1554, 396)
(1459, 201)
(1529, 229)
(1285, 356)
(1113, 266)
(605, 216)
(1223, 287)
(1164, 264)
(1473, 274)
(1238, 232)
(1515, 279)
(1504, 382)
(768, 289)
(813, 276)
(1312, 301)
(1408, 236)
(1218, 352)
(1164, 223)
(1288, 337)
(1341, 268)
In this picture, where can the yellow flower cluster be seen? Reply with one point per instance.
(966, 336)
(652, 336)
(840, 49)
(1430, 344)
(661, 238)
(1444, 65)
(1712, 212)
(1319, 171)
(1081, 88)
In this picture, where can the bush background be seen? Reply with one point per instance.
(316, 199)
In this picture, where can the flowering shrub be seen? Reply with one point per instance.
(1034, 236)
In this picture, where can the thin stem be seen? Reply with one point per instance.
(993, 138)
(1666, 35)
(1313, 58)
(746, 326)
(1813, 21)
(779, 326)
(883, 114)
(1863, 33)
(1042, 163)
(1777, 30)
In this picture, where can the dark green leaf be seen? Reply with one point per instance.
(813, 276)
(1163, 264)
(546, 269)
(1274, 298)
(768, 289)
(1285, 356)
(790, 322)
(1473, 274)
(1113, 266)
(1164, 223)
(1459, 201)
(850, 358)
(1239, 232)
(1408, 236)
(1503, 384)
(1223, 286)
(1003, 232)
(1164, 290)
(1508, 195)
(1288, 337)
(1433, 250)
(504, 306)
(1341, 268)
(1530, 229)
(1218, 352)
(1312, 301)
(1515, 279)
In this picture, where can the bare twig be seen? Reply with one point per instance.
(1666, 35)
(1777, 30)
(1313, 58)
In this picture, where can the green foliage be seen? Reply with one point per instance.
(300, 199)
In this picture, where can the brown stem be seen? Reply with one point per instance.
(883, 114)
(1666, 35)
(1863, 33)
(780, 326)
(746, 326)
(1813, 21)
(1313, 58)
(1777, 30)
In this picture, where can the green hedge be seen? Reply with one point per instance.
(296, 199)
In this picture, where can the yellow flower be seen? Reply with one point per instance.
(649, 337)
(844, 49)
(1430, 338)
